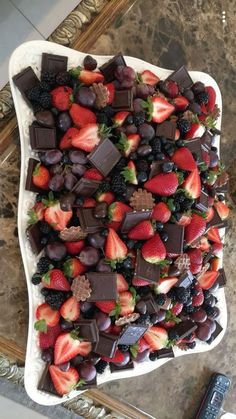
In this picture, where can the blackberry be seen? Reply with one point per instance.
(54, 236)
(55, 299)
(39, 197)
(121, 164)
(179, 143)
(44, 227)
(180, 198)
(183, 125)
(44, 86)
(144, 319)
(36, 279)
(153, 356)
(49, 77)
(118, 185)
(173, 334)
(182, 295)
(63, 78)
(44, 240)
(123, 348)
(45, 291)
(209, 310)
(187, 204)
(189, 309)
(90, 63)
(105, 187)
(43, 265)
(34, 93)
(36, 107)
(128, 274)
(45, 100)
(160, 299)
(139, 118)
(101, 366)
(102, 118)
(108, 110)
(191, 345)
(202, 98)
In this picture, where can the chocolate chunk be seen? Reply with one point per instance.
(105, 156)
(217, 331)
(123, 100)
(45, 118)
(42, 138)
(46, 384)
(185, 280)
(222, 189)
(88, 384)
(156, 168)
(202, 202)
(166, 129)
(195, 146)
(208, 256)
(106, 344)
(185, 328)
(103, 285)
(29, 185)
(131, 334)
(86, 187)
(88, 222)
(115, 368)
(150, 272)
(131, 219)
(182, 78)
(221, 280)
(24, 81)
(88, 329)
(207, 139)
(108, 69)
(165, 353)
(151, 305)
(216, 221)
(53, 63)
(35, 236)
(67, 201)
(174, 243)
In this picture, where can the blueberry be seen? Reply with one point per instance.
(160, 156)
(127, 263)
(179, 143)
(159, 226)
(167, 167)
(129, 120)
(142, 177)
(164, 236)
(221, 198)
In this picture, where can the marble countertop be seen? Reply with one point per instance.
(167, 33)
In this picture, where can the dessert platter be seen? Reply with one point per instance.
(121, 216)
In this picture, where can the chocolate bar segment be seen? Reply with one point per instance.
(216, 332)
(108, 69)
(174, 243)
(46, 384)
(24, 81)
(221, 280)
(185, 280)
(86, 187)
(42, 138)
(150, 272)
(105, 156)
(123, 100)
(195, 146)
(53, 63)
(165, 353)
(185, 328)
(131, 334)
(131, 219)
(88, 329)
(182, 78)
(202, 202)
(115, 368)
(103, 285)
(166, 129)
(35, 236)
(207, 139)
(88, 222)
(151, 305)
(106, 344)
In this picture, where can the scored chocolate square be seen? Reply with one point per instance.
(35, 236)
(53, 63)
(108, 69)
(202, 202)
(86, 187)
(221, 280)
(131, 219)
(165, 353)
(185, 280)
(151, 305)
(182, 78)
(207, 139)
(166, 129)
(195, 146)
(105, 156)
(88, 329)
(217, 331)
(123, 100)
(131, 334)
(88, 222)
(103, 286)
(150, 272)
(42, 138)
(25, 80)
(106, 344)
(185, 328)
(175, 241)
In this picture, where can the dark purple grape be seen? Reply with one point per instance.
(142, 91)
(142, 356)
(56, 183)
(211, 324)
(151, 90)
(52, 156)
(158, 317)
(214, 314)
(56, 169)
(85, 306)
(103, 321)
(141, 307)
(144, 150)
(205, 330)
(89, 256)
(125, 361)
(96, 240)
(125, 73)
(146, 131)
(131, 129)
(56, 251)
(102, 266)
(199, 316)
(66, 326)
(85, 97)
(65, 366)
(70, 181)
(78, 156)
(210, 301)
(87, 371)
(64, 121)
(137, 105)
(78, 169)
(47, 355)
(126, 84)
(76, 361)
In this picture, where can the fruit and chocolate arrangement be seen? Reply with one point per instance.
(128, 216)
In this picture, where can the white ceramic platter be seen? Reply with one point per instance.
(29, 54)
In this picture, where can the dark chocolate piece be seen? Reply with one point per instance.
(166, 129)
(45, 118)
(208, 256)
(202, 202)
(24, 81)
(88, 329)
(42, 138)
(67, 201)
(108, 69)
(53, 63)
(115, 368)
(165, 353)
(29, 185)
(131, 219)
(151, 305)
(207, 139)
(185, 280)
(156, 168)
(182, 78)
(150, 272)
(185, 328)
(88, 222)
(217, 221)
(106, 345)
(86, 187)
(195, 146)
(35, 236)
(103, 285)
(46, 384)
(123, 100)
(131, 334)
(88, 384)
(221, 280)
(217, 331)
(174, 243)
(222, 189)
(105, 156)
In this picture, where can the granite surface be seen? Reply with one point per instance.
(166, 33)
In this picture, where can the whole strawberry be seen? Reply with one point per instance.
(56, 280)
(153, 250)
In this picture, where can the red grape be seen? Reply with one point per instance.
(89, 256)
(56, 183)
(56, 251)
(87, 371)
(52, 156)
(103, 321)
(85, 97)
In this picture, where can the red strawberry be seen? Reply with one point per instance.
(67, 346)
(36, 213)
(181, 103)
(46, 316)
(82, 116)
(107, 197)
(217, 248)
(106, 306)
(158, 108)
(153, 250)
(148, 77)
(118, 357)
(41, 176)
(114, 224)
(55, 279)
(209, 214)
(161, 212)
(192, 184)
(70, 309)
(89, 203)
(55, 217)
(208, 279)
(139, 282)
(65, 141)
(89, 77)
(185, 219)
(117, 210)
(177, 134)
(64, 381)
(222, 209)
(74, 248)
(195, 256)
(170, 88)
(195, 229)
(111, 90)
(130, 173)
(167, 324)
(198, 299)
(128, 143)
(156, 337)
(195, 268)
(120, 117)
(196, 131)
(142, 345)
(73, 267)
(122, 285)
(206, 157)
(48, 339)
(88, 137)
(211, 98)
(164, 184)
(142, 231)
(115, 248)
(214, 235)
(126, 303)
(215, 264)
(93, 174)
(61, 97)
(177, 308)
(165, 284)
(183, 159)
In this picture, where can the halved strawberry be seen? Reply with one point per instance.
(55, 217)
(165, 284)
(195, 268)
(214, 235)
(183, 159)
(185, 219)
(197, 300)
(177, 308)
(217, 248)
(215, 263)
(115, 248)
(126, 303)
(41, 176)
(73, 267)
(107, 197)
(180, 103)
(68, 345)
(88, 77)
(70, 309)
(177, 134)
(195, 229)
(222, 209)
(158, 109)
(211, 98)
(209, 214)
(93, 174)
(196, 131)
(153, 250)
(48, 339)
(74, 248)
(36, 213)
(148, 77)
(89, 203)
(88, 137)
(130, 173)
(122, 284)
(128, 143)
(140, 282)
(120, 117)
(82, 116)
(111, 90)
(106, 306)
(156, 337)
(46, 316)
(164, 184)
(195, 256)
(56, 280)
(60, 97)
(208, 279)
(192, 184)
(64, 381)
(118, 357)
(161, 212)
(117, 210)
(65, 141)
(142, 231)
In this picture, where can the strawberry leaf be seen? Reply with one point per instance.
(134, 350)
(134, 293)
(180, 177)
(170, 343)
(80, 383)
(33, 219)
(116, 311)
(170, 204)
(75, 335)
(171, 317)
(138, 78)
(41, 326)
(75, 72)
(200, 213)
(123, 143)
(46, 277)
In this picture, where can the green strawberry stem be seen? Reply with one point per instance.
(134, 350)
(41, 326)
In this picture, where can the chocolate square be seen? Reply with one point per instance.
(103, 285)
(86, 187)
(174, 243)
(185, 280)
(88, 329)
(150, 272)
(123, 100)
(35, 236)
(88, 222)
(131, 219)
(221, 280)
(217, 221)
(53, 63)
(24, 81)
(29, 185)
(217, 331)
(46, 384)
(106, 344)
(88, 384)
(195, 146)
(182, 78)
(115, 368)
(156, 168)
(131, 334)
(42, 138)
(166, 129)
(105, 156)
(108, 69)
(165, 353)
(151, 305)
(207, 139)
(185, 328)
(202, 202)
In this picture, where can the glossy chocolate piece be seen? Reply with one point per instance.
(131, 219)
(103, 286)
(88, 329)
(35, 236)
(195, 146)
(221, 280)
(42, 138)
(182, 78)
(29, 185)
(105, 156)
(115, 368)
(207, 139)
(53, 63)
(166, 129)
(108, 69)
(86, 187)
(156, 168)
(67, 201)
(88, 222)
(185, 328)
(24, 81)
(123, 100)
(165, 353)
(202, 202)
(150, 272)
(106, 344)
(46, 384)
(217, 221)
(175, 241)
(131, 334)
(45, 118)
(217, 331)
(151, 305)
(88, 384)
(185, 280)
